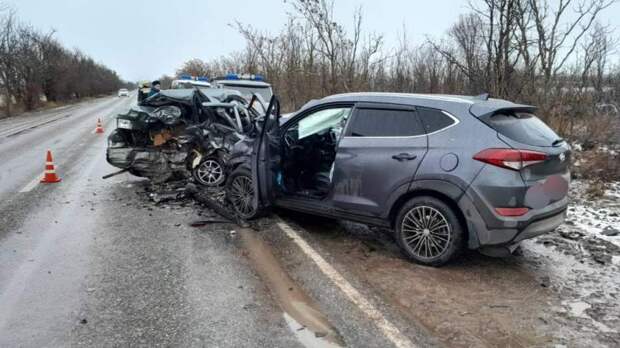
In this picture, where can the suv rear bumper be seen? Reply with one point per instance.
(542, 226)
(506, 231)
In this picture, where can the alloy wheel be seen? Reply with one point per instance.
(241, 195)
(210, 173)
(426, 232)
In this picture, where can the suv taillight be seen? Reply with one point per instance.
(510, 158)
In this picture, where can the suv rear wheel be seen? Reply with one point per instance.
(428, 231)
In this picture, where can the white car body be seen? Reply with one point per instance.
(247, 87)
(186, 83)
(123, 92)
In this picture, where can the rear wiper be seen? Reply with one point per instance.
(557, 142)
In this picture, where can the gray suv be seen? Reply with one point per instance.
(444, 172)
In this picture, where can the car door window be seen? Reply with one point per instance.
(323, 120)
(385, 123)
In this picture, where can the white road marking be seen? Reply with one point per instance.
(31, 185)
(390, 331)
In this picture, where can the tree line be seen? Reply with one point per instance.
(35, 68)
(553, 54)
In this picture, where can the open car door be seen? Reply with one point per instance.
(265, 157)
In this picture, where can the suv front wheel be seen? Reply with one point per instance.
(428, 231)
(240, 194)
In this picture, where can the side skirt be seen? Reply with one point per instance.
(324, 209)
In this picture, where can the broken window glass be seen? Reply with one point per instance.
(323, 120)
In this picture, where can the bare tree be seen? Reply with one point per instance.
(557, 39)
(8, 59)
(35, 67)
(194, 67)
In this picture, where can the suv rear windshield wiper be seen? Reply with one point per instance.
(558, 142)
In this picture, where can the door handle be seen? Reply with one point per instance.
(404, 157)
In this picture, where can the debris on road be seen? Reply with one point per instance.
(610, 231)
(205, 222)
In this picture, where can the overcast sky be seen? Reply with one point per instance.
(143, 39)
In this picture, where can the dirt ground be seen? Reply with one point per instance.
(560, 289)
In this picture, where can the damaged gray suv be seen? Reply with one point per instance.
(444, 172)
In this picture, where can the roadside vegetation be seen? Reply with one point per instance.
(37, 70)
(556, 55)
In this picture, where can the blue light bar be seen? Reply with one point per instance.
(232, 77)
(202, 79)
(185, 77)
(259, 78)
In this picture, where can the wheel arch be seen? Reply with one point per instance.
(446, 192)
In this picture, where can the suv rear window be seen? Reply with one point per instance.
(385, 123)
(523, 127)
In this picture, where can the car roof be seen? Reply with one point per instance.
(194, 83)
(478, 106)
(244, 83)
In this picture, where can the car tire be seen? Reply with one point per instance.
(240, 194)
(210, 173)
(428, 231)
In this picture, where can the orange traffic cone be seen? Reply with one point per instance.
(50, 176)
(99, 128)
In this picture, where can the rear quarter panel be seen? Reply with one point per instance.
(450, 151)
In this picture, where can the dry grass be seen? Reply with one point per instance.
(596, 189)
(597, 164)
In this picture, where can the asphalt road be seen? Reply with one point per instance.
(80, 267)
(89, 262)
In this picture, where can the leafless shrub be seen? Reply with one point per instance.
(597, 163)
(522, 50)
(596, 189)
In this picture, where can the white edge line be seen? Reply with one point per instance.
(390, 331)
(31, 185)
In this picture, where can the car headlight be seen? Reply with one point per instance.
(124, 124)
